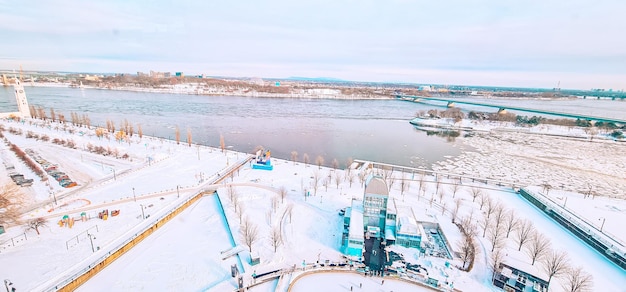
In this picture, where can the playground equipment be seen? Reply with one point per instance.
(262, 160)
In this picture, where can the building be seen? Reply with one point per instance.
(509, 278)
(375, 206)
(353, 237)
(180, 74)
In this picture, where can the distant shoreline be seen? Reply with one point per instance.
(189, 89)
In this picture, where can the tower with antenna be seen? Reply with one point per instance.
(20, 97)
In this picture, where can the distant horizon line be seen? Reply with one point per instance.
(316, 79)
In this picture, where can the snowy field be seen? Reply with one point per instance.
(185, 254)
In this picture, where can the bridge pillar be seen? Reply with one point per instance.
(451, 104)
(502, 111)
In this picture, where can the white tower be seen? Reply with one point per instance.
(20, 97)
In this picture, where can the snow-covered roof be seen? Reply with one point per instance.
(407, 225)
(356, 220)
(376, 185)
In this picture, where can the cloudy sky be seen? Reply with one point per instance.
(529, 43)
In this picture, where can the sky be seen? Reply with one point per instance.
(530, 43)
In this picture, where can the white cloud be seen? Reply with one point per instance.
(555, 38)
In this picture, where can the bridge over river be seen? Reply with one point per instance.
(453, 102)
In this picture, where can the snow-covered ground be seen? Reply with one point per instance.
(185, 254)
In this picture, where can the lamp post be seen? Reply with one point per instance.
(177, 190)
(91, 238)
(134, 197)
(603, 220)
(143, 217)
(114, 176)
(7, 283)
(54, 196)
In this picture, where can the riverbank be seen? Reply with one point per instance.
(203, 89)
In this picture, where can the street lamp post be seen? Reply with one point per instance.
(134, 197)
(603, 220)
(91, 238)
(178, 191)
(114, 176)
(7, 283)
(142, 214)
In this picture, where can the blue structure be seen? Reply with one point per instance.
(353, 237)
(262, 161)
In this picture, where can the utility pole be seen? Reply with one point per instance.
(143, 217)
(91, 240)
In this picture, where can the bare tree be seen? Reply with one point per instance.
(496, 258)
(496, 236)
(222, 143)
(294, 156)
(177, 135)
(189, 137)
(319, 161)
(282, 191)
(577, 280)
(305, 159)
(499, 216)
(231, 192)
(37, 222)
(350, 177)
(524, 233)
(335, 163)
(467, 250)
(555, 264)
(482, 198)
(475, 192)
(421, 184)
(315, 182)
(139, 131)
(457, 205)
(484, 223)
(404, 185)
(349, 163)
(276, 238)
(338, 179)
(455, 189)
(11, 203)
(326, 182)
(236, 205)
(53, 117)
(249, 232)
(362, 178)
(538, 246)
(511, 222)
(491, 206)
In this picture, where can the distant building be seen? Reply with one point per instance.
(156, 74)
(141, 74)
(180, 74)
(424, 88)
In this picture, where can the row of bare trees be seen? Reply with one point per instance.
(499, 223)
(249, 230)
(319, 160)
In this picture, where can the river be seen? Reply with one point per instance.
(377, 130)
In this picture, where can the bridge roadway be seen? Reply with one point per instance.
(545, 112)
